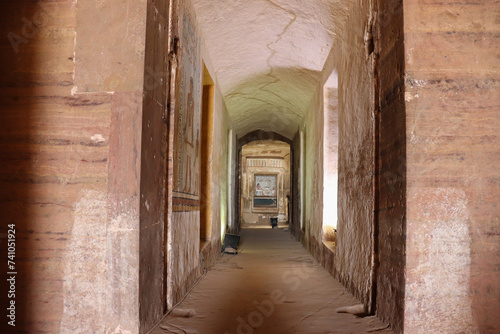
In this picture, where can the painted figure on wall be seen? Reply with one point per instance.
(258, 190)
(187, 139)
(265, 185)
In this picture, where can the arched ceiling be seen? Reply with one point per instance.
(267, 56)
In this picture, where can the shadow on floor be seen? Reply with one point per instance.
(272, 286)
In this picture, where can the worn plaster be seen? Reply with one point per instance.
(444, 247)
(85, 262)
(269, 80)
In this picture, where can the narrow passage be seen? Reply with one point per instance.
(272, 286)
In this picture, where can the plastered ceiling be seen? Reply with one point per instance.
(267, 57)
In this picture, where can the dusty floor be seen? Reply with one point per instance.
(272, 286)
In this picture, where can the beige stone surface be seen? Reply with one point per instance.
(267, 81)
(99, 249)
(273, 285)
(452, 164)
(353, 256)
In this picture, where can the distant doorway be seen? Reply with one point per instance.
(264, 183)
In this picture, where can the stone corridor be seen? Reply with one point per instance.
(273, 286)
(135, 134)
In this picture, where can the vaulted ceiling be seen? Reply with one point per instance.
(267, 56)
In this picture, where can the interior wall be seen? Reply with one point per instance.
(183, 259)
(185, 264)
(388, 63)
(220, 196)
(330, 158)
(353, 252)
(313, 127)
(154, 158)
(368, 83)
(310, 212)
(264, 157)
(72, 125)
(232, 151)
(295, 187)
(452, 166)
(71, 120)
(207, 127)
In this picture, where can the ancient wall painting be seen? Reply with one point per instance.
(186, 185)
(265, 191)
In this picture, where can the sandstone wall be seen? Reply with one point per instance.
(84, 159)
(353, 251)
(295, 187)
(351, 260)
(452, 123)
(184, 262)
(220, 197)
(313, 180)
(264, 157)
(390, 145)
(68, 101)
(154, 159)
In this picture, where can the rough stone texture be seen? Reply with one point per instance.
(114, 60)
(183, 236)
(313, 127)
(124, 164)
(222, 125)
(183, 241)
(77, 227)
(452, 166)
(74, 152)
(353, 251)
(355, 140)
(267, 81)
(295, 187)
(351, 260)
(153, 196)
(74, 155)
(272, 286)
(122, 240)
(85, 291)
(330, 152)
(264, 151)
(390, 145)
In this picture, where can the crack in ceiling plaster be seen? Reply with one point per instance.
(267, 57)
(274, 51)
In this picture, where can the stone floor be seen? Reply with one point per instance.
(273, 285)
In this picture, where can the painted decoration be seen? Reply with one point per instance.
(265, 186)
(275, 163)
(265, 202)
(186, 185)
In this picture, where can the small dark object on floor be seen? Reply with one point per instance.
(274, 222)
(231, 241)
